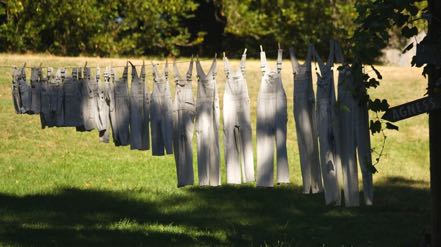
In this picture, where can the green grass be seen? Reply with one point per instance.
(59, 187)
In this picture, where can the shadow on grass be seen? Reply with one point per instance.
(227, 215)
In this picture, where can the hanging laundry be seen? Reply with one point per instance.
(237, 125)
(354, 134)
(139, 124)
(36, 74)
(364, 150)
(327, 123)
(103, 123)
(52, 99)
(207, 126)
(161, 113)
(16, 74)
(272, 118)
(183, 126)
(89, 101)
(121, 115)
(109, 83)
(72, 100)
(306, 126)
(21, 91)
(104, 108)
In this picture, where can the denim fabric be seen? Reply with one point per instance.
(139, 125)
(161, 113)
(103, 122)
(72, 100)
(306, 126)
(207, 126)
(237, 126)
(183, 126)
(272, 118)
(355, 137)
(16, 90)
(327, 123)
(52, 100)
(89, 101)
(25, 92)
(120, 110)
(36, 74)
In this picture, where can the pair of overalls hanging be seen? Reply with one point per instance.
(354, 135)
(183, 126)
(328, 131)
(272, 118)
(305, 120)
(207, 126)
(161, 113)
(139, 111)
(237, 125)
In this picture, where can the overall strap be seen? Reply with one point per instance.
(107, 74)
(176, 71)
(190, 70)
(319, 60)
(113, 74)
(97, 76)
(50, 71)
(75, 73)
(166, 69)
(143, 71)
(227, 67)
(242, 61)
(263, 63)
(279, 60)
(22, 72)
(294, 62)
(199, 69)
(155, 71)
(134, 72)
(213, 67)
(87, 73)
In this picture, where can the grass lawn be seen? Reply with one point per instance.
(59, 187)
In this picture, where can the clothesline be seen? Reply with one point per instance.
(157, 63)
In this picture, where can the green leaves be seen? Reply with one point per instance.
(378, 105)
(409, 32)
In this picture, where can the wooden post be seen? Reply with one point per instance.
(434, 83)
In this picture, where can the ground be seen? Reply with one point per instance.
(59, 187)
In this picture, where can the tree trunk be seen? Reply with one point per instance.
(434, 74)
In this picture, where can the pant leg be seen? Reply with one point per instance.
(187, 148)
(167, 126)
(25, 96)
(328, 168)
(364, 152)
(214, 165)
(231, 152)
(265, 144)
(247, 152)
(157, 137)
(177, 146)
(348, 152)
(281, 130)
(203, 146)
(316, 174)
(303, 141)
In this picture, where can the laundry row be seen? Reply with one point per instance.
(329, 135)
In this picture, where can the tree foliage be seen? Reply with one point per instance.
(137, 27)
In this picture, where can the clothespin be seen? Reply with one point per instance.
(245, 51)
